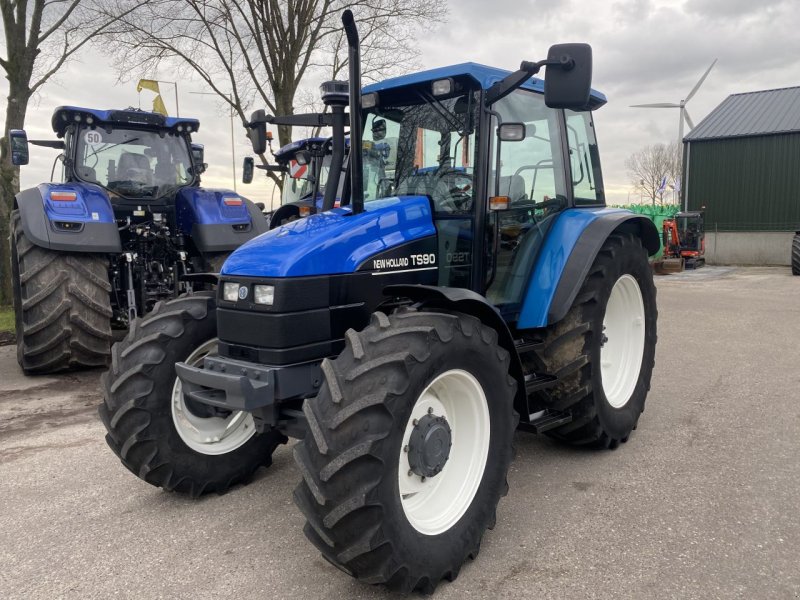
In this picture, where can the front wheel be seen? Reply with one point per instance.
(796, 254)
(158, 435)
(604, 349)
(409, 447)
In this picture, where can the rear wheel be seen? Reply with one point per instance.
(409, 447)
(158, 435)
(604, 349)
(62, 306)
(796, 254)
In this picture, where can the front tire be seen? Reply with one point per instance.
(151, 428)
(62, 306)
(378, 507)
(796, 254)
(604, 349)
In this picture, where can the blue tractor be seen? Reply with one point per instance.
(305, 165)
(125, 228)
(477, 286)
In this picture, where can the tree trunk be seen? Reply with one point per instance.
(18, 98)
(284, 105)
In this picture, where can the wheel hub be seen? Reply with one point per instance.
(429, 445)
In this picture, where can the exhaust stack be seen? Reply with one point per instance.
(354, 63)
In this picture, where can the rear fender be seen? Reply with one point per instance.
(468, 302)
(571, 246)
(218, 220)
(85, 224)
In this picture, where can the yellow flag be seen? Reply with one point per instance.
(148, 84)
(158, 106)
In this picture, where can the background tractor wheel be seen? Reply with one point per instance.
(158, 435)
(796, 254)
(409, 446)
(62, 306)
(604, 349)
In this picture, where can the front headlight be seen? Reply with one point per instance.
(230, 291)
(264, 294)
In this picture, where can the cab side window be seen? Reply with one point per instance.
(587, 181)
(532, 175)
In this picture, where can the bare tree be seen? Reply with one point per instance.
(653, 165)
(41, 37)
(256, 53)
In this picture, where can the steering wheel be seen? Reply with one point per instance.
(457, 198)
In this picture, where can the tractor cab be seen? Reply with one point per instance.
(133, 155)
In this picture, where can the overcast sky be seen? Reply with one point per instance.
(644, 51)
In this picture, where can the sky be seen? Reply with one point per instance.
(644, 51)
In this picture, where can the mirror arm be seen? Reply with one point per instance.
(302, 120)
(527, 69)
(272, 168)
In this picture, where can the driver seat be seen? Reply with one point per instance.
(134, 167)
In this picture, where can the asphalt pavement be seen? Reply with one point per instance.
(702, 502)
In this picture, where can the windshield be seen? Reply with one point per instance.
(423, 146)
(133, 162)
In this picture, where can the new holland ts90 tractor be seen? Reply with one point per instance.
(125, 228)
(482, 287)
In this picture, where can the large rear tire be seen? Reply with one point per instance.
(604, 349)
(62, 306)
(155, 432)
(386, 499)
(796, 254)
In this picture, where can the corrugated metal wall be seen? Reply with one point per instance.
(746, 184)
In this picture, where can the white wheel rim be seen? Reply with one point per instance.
(624, 329)
(436, 504)
(209, 435)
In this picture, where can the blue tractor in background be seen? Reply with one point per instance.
(473, 286)
(304, 165)
(125, 228)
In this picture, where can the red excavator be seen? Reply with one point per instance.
(684, 239)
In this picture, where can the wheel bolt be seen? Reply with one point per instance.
(410, 472)
(405, 448)
(415, 422)
(430, 410)
(423, 478)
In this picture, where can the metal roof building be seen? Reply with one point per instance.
(742, 162)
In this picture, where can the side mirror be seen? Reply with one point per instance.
(198, 156)
(568, 80)
(378, 129)
(247, 169)
(258, 131)
(18, 144)
(511, 132)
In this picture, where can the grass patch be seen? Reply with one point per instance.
(7, 318)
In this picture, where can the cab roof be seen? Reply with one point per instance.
(483, 75)
(63, 116)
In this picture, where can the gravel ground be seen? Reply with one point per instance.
(702, 502)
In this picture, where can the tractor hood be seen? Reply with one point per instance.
(335, 241)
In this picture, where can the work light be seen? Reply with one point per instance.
(230, 291)
(442, 87)
(264, 294)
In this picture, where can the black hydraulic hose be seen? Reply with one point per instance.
(354, 59)
(337, 158)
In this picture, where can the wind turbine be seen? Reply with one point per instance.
(684, 115)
